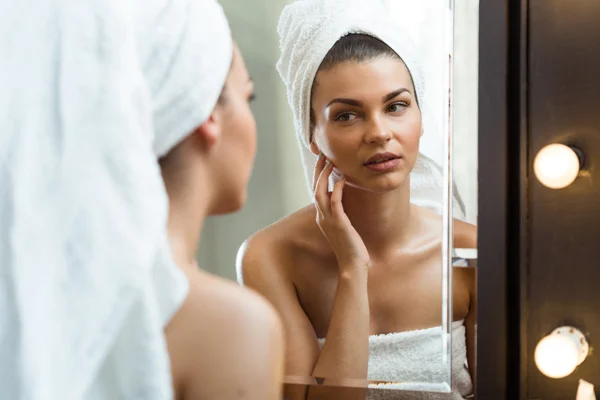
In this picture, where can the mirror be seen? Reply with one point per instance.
(411, 315)
(464, 150)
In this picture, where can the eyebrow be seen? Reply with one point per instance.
(357, 103)
(395, 93)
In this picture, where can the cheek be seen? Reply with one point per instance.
(238, 145)
(251, 131)
(410, 135)
(415, 137)
(245, 129)
(338, 146)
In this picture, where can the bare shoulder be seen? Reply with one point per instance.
(465, 235)
(271, 250)
(270, 262)
(220, 328)
(234, 304)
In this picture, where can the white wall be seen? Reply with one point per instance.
(466, 64)
(277, 185)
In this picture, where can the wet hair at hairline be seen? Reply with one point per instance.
(357, 48)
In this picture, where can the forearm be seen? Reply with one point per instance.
(345, 354)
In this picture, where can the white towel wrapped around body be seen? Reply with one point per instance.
(414, 361)
(92, 93)
(308, 29)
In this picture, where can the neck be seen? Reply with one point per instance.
(381, 219)
(189, 204)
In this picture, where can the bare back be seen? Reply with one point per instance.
(216, 338)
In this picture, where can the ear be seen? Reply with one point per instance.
(209, 131)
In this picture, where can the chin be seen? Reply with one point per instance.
(381, 184)
(230, 203)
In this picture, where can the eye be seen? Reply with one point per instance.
(397, 107)
(344, 117)
(251, 98)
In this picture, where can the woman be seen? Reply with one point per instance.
(362, 261)
(221, 328)
(206, 152)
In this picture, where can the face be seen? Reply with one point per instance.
(364, 113)
(232, 154)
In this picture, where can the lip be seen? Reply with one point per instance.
(381, 156)
(384, 165)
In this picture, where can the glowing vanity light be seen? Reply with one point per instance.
(558, 354)
(556, 165)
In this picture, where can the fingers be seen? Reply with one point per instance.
(321, 195)
(337, 209)
(318, 168)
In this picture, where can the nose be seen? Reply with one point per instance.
(377, 131)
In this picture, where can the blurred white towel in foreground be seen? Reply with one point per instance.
(92, 93)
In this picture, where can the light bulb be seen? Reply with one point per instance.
(556, 166)
(558, 354)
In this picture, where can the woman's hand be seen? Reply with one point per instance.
(347, 244)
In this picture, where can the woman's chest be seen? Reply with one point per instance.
(404, 294)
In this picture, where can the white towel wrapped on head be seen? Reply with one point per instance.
(185, 81)
(87, 281)
(308, 29)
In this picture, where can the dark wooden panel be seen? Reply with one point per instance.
(492, 198)
(565, 224)
(519, 178)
